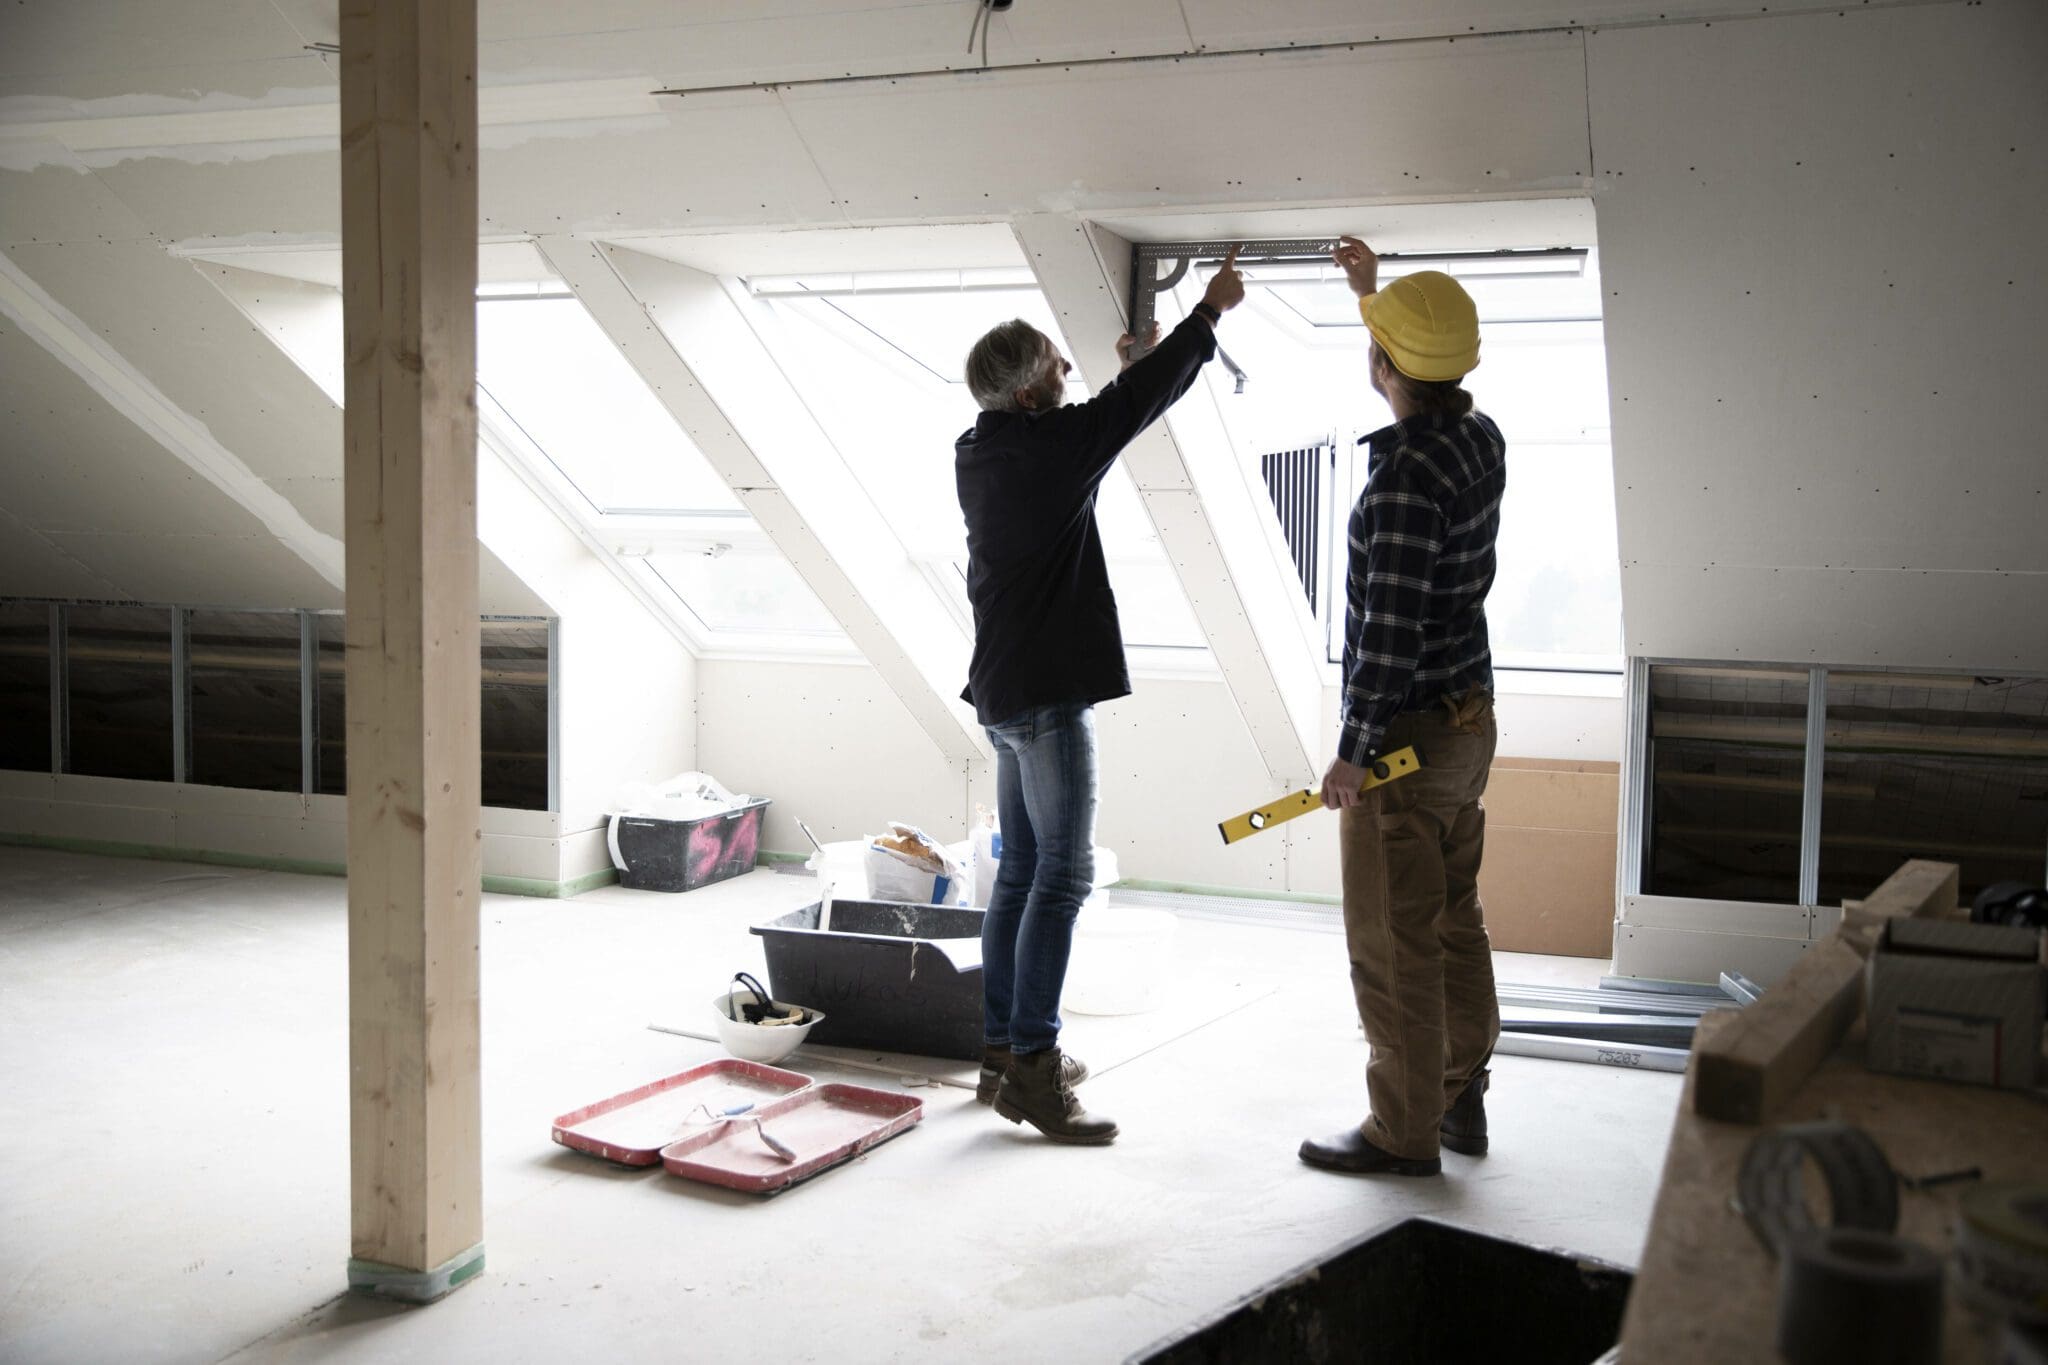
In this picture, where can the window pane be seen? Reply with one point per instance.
(744, 592)
(118, 663)
(1151, 606)
(514, 729)
(1557, 587)
(1556, 602)
(1727, 762)
(25, 686)
(1931, 766)
(891, 417)
(245, 699)
(553, 369)
(904, 354)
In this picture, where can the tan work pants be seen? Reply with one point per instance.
(1421, 966)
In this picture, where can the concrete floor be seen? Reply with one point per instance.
(173, 1056)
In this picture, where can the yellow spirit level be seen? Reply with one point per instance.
(1386, 768)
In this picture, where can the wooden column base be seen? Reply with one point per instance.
(416, 1286)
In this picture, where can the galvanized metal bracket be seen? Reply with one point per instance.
(1147, 259)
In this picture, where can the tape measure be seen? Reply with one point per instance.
(1386, 768)
(1863, 1190)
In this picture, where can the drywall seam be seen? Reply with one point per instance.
(65, 336)
(27, 532)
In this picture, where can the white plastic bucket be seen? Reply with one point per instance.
(766, 1043)
(1121, 961)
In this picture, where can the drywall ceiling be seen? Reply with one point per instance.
(1454, 226)
(497, 263)
(839, 250)
(258, 49)
(87, 481)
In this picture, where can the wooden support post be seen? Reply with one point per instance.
(409, 225)
(1745, 1068)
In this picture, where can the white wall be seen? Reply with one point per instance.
(1822, 241)
(834, 748)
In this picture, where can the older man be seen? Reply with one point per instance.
(1047, 648)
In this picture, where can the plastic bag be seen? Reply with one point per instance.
(904, 865)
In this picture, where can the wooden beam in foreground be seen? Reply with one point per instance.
(409, 260)
(1745, 1069)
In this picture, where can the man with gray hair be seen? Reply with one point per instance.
(1047, 647)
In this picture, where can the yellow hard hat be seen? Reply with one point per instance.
(1426, 323)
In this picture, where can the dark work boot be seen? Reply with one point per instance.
(1464, 1127)
(995, 1060)
(1035, 1090)
(1350, 1153)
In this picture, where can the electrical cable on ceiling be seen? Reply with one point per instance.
(984, 14)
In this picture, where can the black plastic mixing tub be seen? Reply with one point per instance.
(878, 978)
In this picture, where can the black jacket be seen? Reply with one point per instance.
(1045, 626)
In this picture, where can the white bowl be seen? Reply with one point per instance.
(768, 1043)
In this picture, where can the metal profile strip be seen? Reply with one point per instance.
(309, 704)
(1277, 249)
(1635, 789)
(1643, 1030)
(1528, 997)
(1628, 1056)
(181, 699)
(1146, 282)
(555, 713)
(1816, 763)
(60, 692)
(1659, 987)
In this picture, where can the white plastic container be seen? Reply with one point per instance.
(768, 1043)
(1121, 961)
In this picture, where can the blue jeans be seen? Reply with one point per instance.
(1045, 799)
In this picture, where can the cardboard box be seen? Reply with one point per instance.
(1957, 1002)
(1547, 880)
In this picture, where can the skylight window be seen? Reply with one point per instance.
(547, 364)
(880, 358)
(746, 593)
(559, 403)
(1556, 602)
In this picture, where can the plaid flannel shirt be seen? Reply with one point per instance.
(1421, 562)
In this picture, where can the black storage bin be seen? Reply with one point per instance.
(682, 855)
(878, 978)
(1418, 1291)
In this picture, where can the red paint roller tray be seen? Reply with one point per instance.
(823, 1126)
(632, 1128)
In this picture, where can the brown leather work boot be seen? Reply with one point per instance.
(1464, 1127)
(1035, 1090)
(996, 1060)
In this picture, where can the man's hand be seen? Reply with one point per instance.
(1125, 342)
(1360, 266)
(1226, 289)
(1341, 784)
